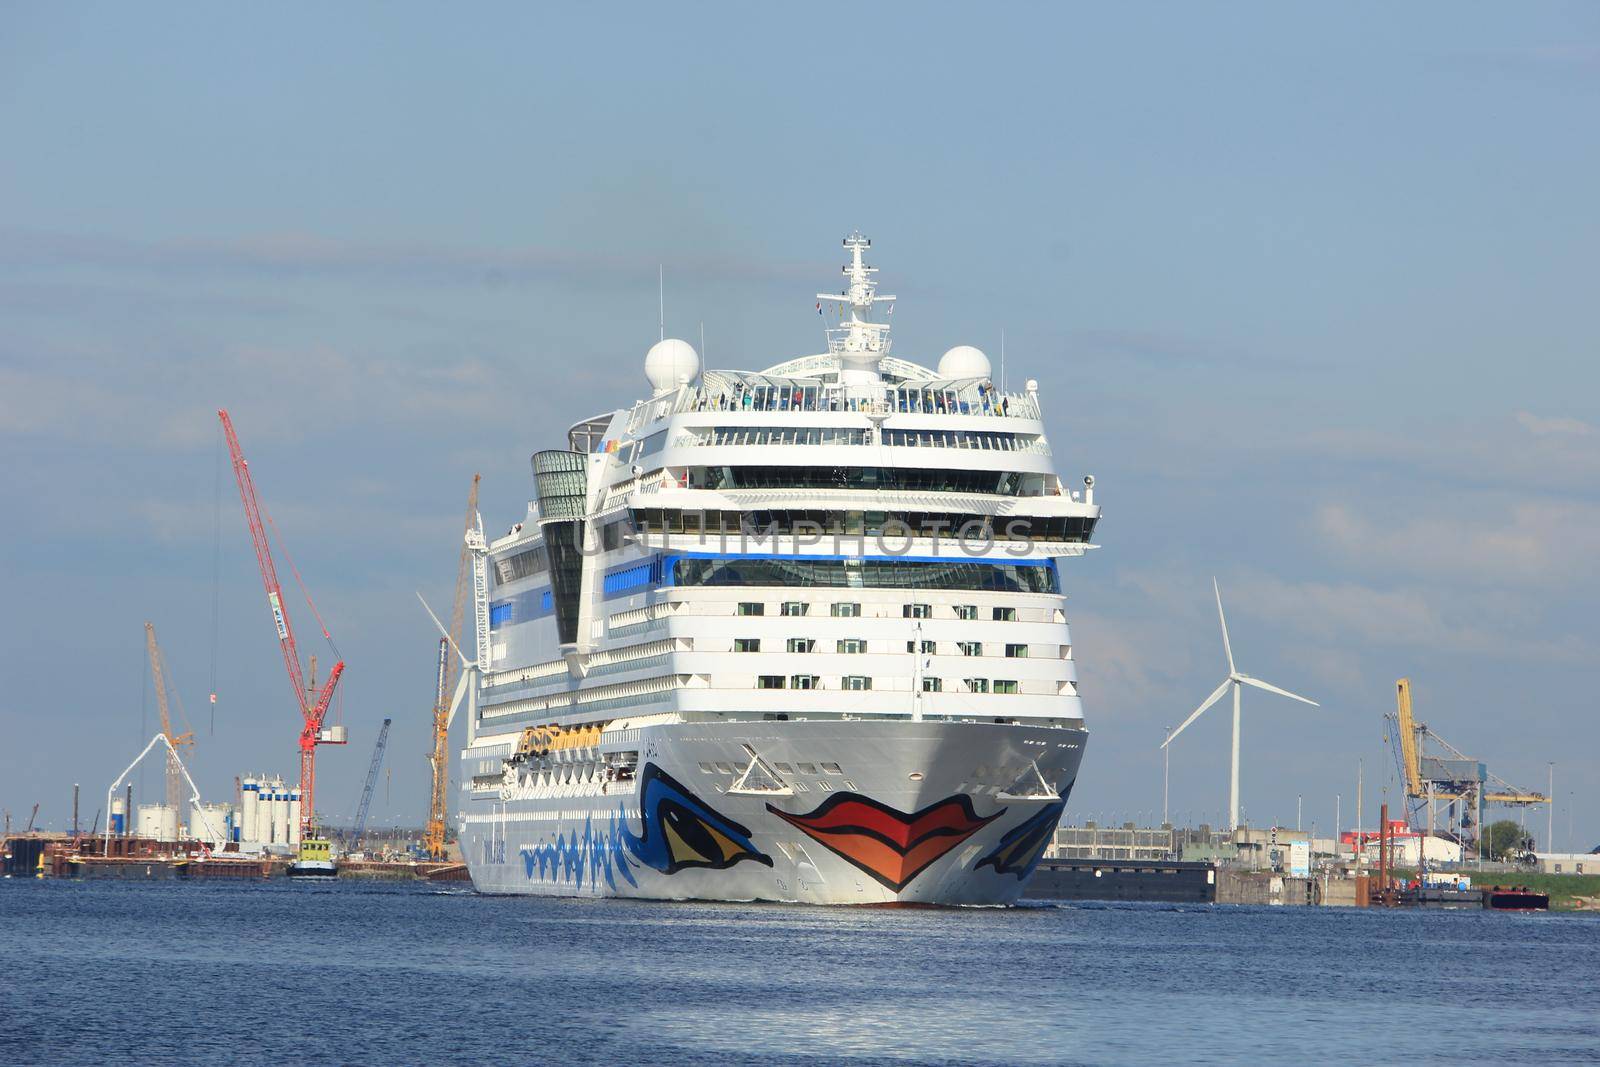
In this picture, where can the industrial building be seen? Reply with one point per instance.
(1568, 862)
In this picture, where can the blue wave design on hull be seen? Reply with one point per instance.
(592, 856)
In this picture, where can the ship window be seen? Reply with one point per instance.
(916, 611)
(821, 476)
(747, 644)
(833, 768)
(706, 768)
(803, 681)
(523, 564)
(1005, 686)
(976, 685)
(845, 611)
(1005, 614)
(806, 768)
(795, 607)
(966, 611)
(970, 648)
(927, 646)
(783, 768)
(855, 682)
(1016, 651)
(770, 681)
(725, 768)
(932, 685)
(752, 608)
(654, 443)
(943, 525)
(621, 581)
(1017, 577)
(801, 644)
(852, 645)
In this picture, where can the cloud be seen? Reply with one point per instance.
(1160, 349)
(1547, 426)
(1477, 540)
(281, 390)
(1351, 615)
(315, 255)
(1522, 453)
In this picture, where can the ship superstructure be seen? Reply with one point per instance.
(796, 634)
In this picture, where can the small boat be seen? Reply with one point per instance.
(316, 860)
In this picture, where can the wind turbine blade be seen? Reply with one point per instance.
(1226, 647)
(1210, 700)
(465, 662)
(1259, 684)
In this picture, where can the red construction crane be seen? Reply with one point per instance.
(313, 705)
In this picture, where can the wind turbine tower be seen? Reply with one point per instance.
(1236, 680)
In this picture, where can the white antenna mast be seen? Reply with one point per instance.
(1002, 359)
(702, 344)
(661, 297)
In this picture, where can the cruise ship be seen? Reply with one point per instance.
(796, 634)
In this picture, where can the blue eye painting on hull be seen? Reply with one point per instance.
(1020, 850)
(680, 831)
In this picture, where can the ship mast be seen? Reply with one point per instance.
(859, 343)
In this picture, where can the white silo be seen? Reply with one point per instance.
(294, 816)
(158, 821)
(250, 796)
(264, 814)
(209, 823)
(280, 813)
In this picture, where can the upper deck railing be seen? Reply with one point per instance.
(928, 398)
(787, 434)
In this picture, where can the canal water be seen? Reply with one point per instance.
(386, 973)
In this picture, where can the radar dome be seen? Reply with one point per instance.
(671, 363)
(964, 361)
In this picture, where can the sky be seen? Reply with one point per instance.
(1310, 291)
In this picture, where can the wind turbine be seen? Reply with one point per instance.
(1237, 679)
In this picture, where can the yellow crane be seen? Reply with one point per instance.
(1451, 776)
(158, 673)
(438, 759)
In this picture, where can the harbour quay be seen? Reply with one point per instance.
(1275, 866)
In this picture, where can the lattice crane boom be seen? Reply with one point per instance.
(438, 758)
(1406, 725)
(313, 707)
(175, 740)
(372, 780)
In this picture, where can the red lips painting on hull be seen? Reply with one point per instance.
(890, 845)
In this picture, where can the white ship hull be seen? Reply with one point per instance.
(952, 813)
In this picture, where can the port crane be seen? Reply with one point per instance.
(1446, 776)
(366, 790)
(438, 758)
(175, 740)
(313, 704)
